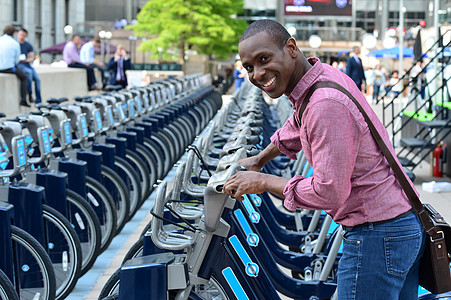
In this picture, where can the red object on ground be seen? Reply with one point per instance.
(438, 161)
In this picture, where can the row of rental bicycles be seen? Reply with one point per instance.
(203, 244)
(72, 174)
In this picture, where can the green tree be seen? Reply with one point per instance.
(206, 26)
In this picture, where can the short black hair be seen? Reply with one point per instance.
(278, 34)
(24, 30)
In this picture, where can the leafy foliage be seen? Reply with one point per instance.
(206, 26)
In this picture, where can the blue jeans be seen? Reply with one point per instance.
(381, 261)
(32, 76)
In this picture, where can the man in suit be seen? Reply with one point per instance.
(118, 65)
(354, 68)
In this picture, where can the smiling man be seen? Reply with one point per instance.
(352, 181)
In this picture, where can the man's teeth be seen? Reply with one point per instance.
(270, 82)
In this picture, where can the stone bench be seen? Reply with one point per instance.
(56, 82)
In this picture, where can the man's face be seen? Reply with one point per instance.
(21, 36)
(76, 40)
(357, 51)
(269, 67)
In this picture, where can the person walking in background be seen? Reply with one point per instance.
(342, 66)
(71, 56)
(27, 57)
(354, 68)
(118, 65)
(10, 57)
(87, 56)
(395, 83)
(378, 81)
(239, 73)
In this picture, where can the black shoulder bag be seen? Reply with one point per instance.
(434, 266)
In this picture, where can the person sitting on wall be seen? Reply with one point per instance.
(72, 57)
(27, 57)
(87, 56)
(9, 58)
(118, 65)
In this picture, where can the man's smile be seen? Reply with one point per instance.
(269, 82)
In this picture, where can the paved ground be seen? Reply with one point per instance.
(89, 286)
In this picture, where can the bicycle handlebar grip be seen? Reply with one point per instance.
(253, 152)
(257, 123)
(256, 130)
(253, 139)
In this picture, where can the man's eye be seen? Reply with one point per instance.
(248, 68)
(264, 58)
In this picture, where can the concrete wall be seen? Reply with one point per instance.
(55, 82)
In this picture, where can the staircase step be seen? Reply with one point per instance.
(405, 162)
(436, 123)
(415, 143)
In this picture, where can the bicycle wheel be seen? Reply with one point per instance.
(103, 205)
(64, 250)
(143, 174)
(120, 195)
(7, 291)
(35, 276)
(131, 179)
(209, 291)
(135, 251)
(111, 287)
(151, 164)
(158, 156)
(85, 222)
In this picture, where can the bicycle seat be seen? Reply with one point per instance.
(2, 115)
(57, 101)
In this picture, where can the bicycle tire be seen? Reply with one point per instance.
(120, 193)
(64, 250)
(85, 222)
(112, 297)
(125, 169)
(161, 144)
(23, 242)
(135, 251)
(151, 164)
(158, 156)
(7, 291)
(212, 290)
(143, 173)
(103, 205)
(111, 287)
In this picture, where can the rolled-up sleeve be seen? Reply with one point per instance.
(286, 139)
(333, 137)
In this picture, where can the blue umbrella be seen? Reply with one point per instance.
(391, 52)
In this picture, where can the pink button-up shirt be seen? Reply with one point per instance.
(352, 180)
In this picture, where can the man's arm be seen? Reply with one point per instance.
(248, 182)
(257, 162)
(30, 57)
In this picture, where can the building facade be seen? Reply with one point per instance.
(44, 19)
(373, 16)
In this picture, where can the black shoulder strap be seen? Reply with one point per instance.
(399, 173)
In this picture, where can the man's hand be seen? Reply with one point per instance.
(244, 182)
(250, 182)
(250, 163)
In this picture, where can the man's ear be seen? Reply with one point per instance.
(292, 47)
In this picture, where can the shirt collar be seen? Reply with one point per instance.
(300, 90)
